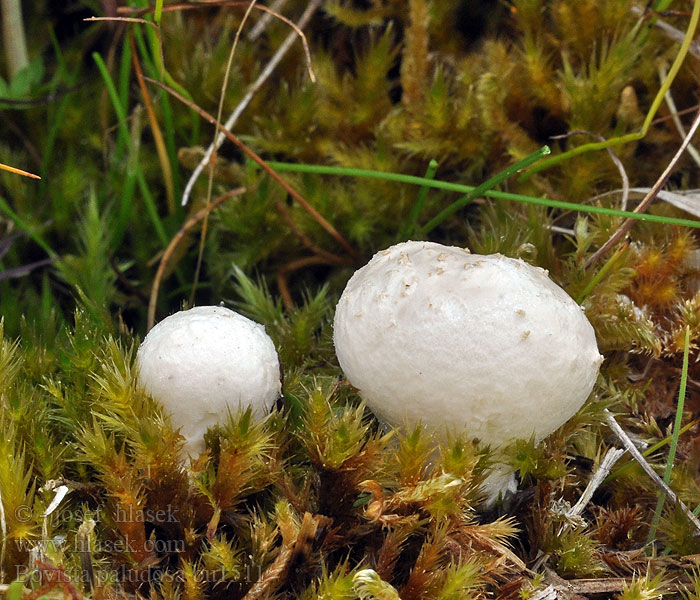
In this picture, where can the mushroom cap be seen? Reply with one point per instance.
(202, 362)
(485, 344)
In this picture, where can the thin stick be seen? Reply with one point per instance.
(161, 150)
(676, 119)
(675, 35)
(252, 90)
(212, 3)
(613, 155)
(189, 224)
(611, 457)
(649, 198)
(648, 469)
(126, 20)
(264, 21)
(18, 171)
(289, 189)
(210, 182)
(290, 268)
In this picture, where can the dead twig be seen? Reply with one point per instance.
(603, 470)
(670, 102)
(231, 3)
(613, 155)
(289, 189)
(257, 30)
(668, 30)
(124, 280)
(252, 90)
(648, 469)
(648, 199)
(284, 272)
(24, 270)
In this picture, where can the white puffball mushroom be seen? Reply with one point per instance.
(202, 363)
(485, 344)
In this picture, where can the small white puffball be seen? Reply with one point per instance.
(485, 344)
(202, 363)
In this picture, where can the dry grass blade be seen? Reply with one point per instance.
(189, 224)
(615, 158)
(124, 20)
(648, 469)
(155, 129)
(611, 457)
(18, 171)
(687, 200)
(231, 3)
(284, 272)
(669, 31)
(210, 182)
(649, 198)
(260, 26)
(288, 188)
(252, 90)
(670, 102)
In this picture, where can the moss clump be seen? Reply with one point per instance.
(316, 501)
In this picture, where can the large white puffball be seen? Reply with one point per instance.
(202, 363)
(485, 344)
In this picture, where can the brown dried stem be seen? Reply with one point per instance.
(289, 268)
(155, 129)
(288, 188)
(648, 199)
(189, 224)
(232, 3)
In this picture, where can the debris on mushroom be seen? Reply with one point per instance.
(488, 344)
(202, 363)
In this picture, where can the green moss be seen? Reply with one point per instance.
(298, 504)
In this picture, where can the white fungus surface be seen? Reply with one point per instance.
(202, 363)
(486, 344)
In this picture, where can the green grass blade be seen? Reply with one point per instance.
(123, 135)
(662, 5)
(152, 210)
(158, 13)
(125, 75)
(480, 190)
(412, 226)
(598, 277)
(55, 120)
(674, 438)
(648, 452)
(14, 590)
(466, 189)
(27, 228)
